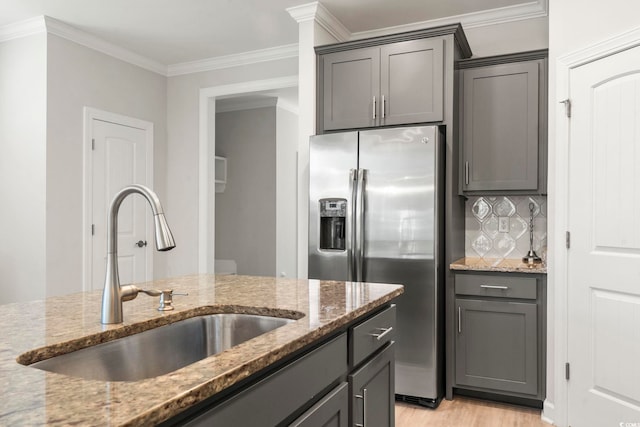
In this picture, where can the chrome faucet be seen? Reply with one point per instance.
(113, 294)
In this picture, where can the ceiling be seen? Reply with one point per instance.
(173, 32)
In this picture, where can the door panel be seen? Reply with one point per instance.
(399, 192)
(496, 345)
(351, 82)
(411, 79)
(500, 126)
(400, 229)
(331, 157)
(331, 411)
(604, 259)
(119, 159)
(372, 386)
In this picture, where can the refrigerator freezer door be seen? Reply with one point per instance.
(400, 231)
(333, 163)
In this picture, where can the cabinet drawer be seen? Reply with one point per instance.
(502, 286)
(371, 335)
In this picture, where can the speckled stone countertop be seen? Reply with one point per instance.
(34, 397)
(498, 265)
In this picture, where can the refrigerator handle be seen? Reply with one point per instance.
(359, 222)
(350, 232)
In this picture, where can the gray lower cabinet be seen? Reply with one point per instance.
(331, 411)
(372, 390)
(334, 384)
(270, 401)
(496, 345)
(499, 334)
(503, 124)
(393, 84)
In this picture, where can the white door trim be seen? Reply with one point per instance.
(206, 152)
(558, 203)
(89, 114)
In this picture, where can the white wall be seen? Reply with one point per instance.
(286, 190)
(183, 154)
(77, 77)
(23, 86)
(245, 213)
(573, 25)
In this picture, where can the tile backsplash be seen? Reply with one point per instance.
(498, 226)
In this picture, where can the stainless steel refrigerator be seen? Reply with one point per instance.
(375, 215)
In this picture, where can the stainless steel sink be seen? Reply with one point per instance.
(161, 350)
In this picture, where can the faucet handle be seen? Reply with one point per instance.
(151, 292)
(166, 299)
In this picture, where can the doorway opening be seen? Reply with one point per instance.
(268, 205)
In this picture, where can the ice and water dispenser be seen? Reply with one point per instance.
(333, 222)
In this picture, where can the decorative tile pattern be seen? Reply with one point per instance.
(483, 237)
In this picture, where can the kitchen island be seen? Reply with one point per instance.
(322, 309)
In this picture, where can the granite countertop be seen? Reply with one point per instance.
(34, 397)
(497, 265)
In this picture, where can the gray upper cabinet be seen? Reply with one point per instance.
(503, 121)
(351, 89)
(399, 83)
(411, 82)
(391, 80)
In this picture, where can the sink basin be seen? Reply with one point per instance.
(161, 350)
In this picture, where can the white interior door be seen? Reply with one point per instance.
(604, 259)
(119, 158)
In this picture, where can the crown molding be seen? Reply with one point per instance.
(28, 27)
(623, 41)
(530, 10)
(235, 60)
(315, 11)
(83, 38)
(42, 24)
(304, 12)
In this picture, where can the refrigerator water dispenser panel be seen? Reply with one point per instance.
(333, 218)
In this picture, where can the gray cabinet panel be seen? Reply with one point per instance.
(387, 84)
(282, 393)
(496, 286)
(412, 82)
(364, 342)
(372, 389)
(501, 127)
(496, 345)
(351, 88)
(331, 411)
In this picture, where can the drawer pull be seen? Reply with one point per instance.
(373, 110)
(384, 332)
(504, 288)
(363, 396)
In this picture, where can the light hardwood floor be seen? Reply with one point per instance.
(468, 412)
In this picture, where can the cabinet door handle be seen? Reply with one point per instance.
(384, 332)
(504, 288)
(466, 173)
(384, 105)
(459, 319)
(373, 110)
(363, 396)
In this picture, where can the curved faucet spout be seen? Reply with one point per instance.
(112, 295)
